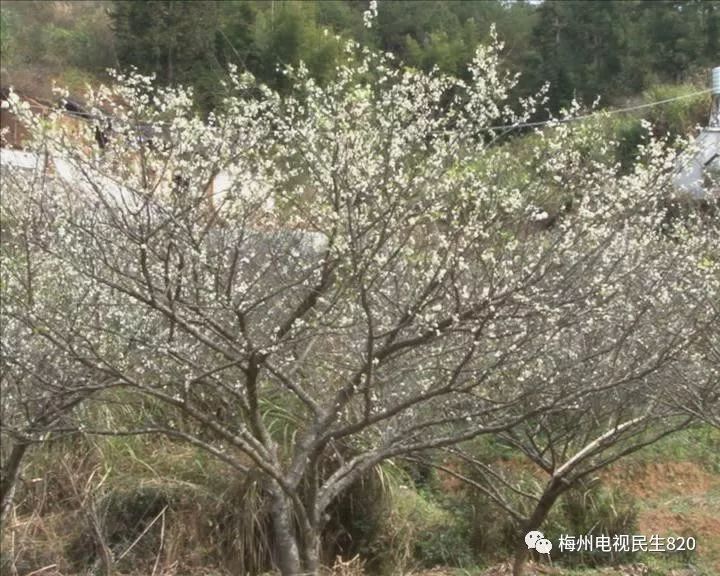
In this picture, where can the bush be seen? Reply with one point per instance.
(357, 518)
(445, 535)
(590, 509)
(629, 134)
(599, 510)
(416, 529)
(681, 116)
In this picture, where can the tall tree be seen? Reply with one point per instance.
(174, 40)
(579, 49)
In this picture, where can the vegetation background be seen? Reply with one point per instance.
(612, 49)
(623, 51)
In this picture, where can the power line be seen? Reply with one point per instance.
(599, 113)
(534, 124)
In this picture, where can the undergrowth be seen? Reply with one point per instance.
(159, 507)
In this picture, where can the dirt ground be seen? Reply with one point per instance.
(680, 498)
(676, 498)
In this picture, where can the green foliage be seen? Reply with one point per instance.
(593, 508)
(397, 526)
(425, 34)
(213, 518)
(288, 34)
(422, 531)
(493, 534)
(614, 49)
(617, 48)
(699, 444)
(55, 35)
(578, 49)
(445, 539)
(598, 510)
(395, 519)
(176, 41)
(681, 116)
(6, 38)
(629, 134)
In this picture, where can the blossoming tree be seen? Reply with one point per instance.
(375, 277)
(697, 392)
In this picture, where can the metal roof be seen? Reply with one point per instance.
(698, 171)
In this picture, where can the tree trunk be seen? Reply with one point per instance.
(547, 500)
(310, 549)
(8, 478)
(287, 557)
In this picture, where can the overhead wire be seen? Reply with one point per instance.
(513, 126)
(599, 112)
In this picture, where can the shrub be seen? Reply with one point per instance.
(599, 510)
(414, 528)
(681, 116)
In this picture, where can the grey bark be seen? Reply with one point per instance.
(287, 556)
(8, 479)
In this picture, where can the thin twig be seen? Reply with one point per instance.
(162, 541)
(40, 570)
(162, 512)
